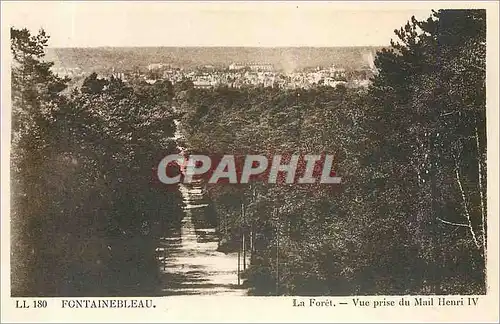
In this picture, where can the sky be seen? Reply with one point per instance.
(91, 24)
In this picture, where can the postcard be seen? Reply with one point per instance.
(257, 162)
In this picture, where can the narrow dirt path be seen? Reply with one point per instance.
(191, 263)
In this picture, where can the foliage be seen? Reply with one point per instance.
(410, 216)
(85, 213)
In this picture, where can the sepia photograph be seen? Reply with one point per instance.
(246, 149)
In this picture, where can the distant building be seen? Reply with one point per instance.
(333, 83)
(235, 66)
(155, 66)
(67, 72)
(203, 84)
(251, 66)
(260, 67)
(332, 68)
(119, 75)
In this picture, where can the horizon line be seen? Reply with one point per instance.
(213, 46)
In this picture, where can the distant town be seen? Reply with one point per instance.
(236, 75)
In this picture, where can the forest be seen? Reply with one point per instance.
(86, 211)
(408, 218)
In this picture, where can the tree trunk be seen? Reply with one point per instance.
(480, 184)
(466, 207)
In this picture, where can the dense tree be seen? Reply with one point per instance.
(35, 104)
(86, 212)
(411, 214)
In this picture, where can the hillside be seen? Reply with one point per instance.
(289, 58)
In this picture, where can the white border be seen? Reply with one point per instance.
(272, 309)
